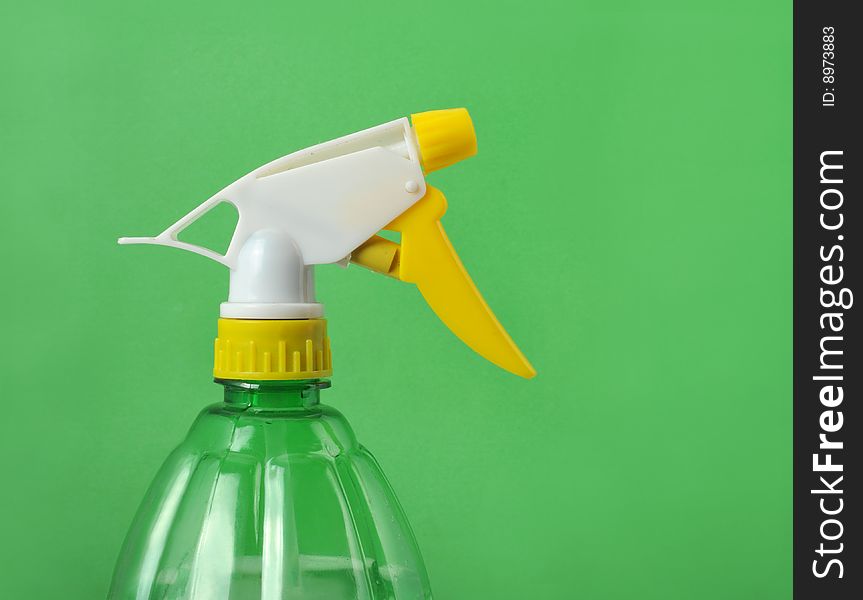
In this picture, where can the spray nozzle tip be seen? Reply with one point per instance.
(444, 137)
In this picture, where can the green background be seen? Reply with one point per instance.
(628, 217)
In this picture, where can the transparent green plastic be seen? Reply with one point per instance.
(270, 497)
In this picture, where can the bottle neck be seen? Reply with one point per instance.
(273, 395)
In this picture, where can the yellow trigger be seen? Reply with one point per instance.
(427, 259)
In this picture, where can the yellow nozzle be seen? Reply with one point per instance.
(444, 137)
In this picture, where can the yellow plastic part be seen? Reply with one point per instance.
(266, 350)
(379, 255)
(444, 137)
(427, 259)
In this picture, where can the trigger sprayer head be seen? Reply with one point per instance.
(444, 137)
(325, 204)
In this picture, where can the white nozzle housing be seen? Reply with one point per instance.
(271, 281)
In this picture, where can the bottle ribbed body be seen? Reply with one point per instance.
(270, 497)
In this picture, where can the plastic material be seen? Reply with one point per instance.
(325, 204)
(270, 497)
(427, 259)
(272, 349)
(379, 255)
(328, 199)
(444, 136)
(270, 280)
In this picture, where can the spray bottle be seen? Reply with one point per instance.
(270, 496)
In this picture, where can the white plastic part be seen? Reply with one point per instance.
(308, 208)
(270, 280)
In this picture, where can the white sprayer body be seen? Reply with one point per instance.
(311, 207)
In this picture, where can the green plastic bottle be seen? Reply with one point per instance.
(270, 496)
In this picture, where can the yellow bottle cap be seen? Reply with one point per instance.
(272, 349)
(444, 137)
